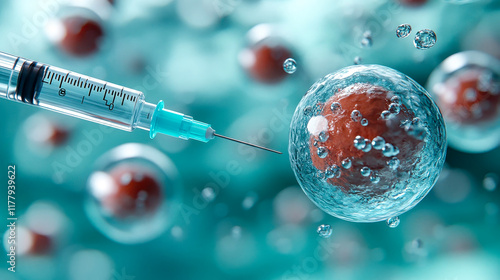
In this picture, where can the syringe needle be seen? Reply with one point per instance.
(246, 143)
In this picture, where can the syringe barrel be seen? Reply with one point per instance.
(73, 94)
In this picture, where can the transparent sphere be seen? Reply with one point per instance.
(367, 143)
(466, 87)
(133, 194)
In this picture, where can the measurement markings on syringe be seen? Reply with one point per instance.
(49, 76)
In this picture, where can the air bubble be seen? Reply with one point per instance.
(364, 122)
(335, 107)
(208, 194)
(490, 182)
(346, 163)
(324, 231)
(393, 163)
(388, 150)
(365, 171)
(385, 114)
(367, 146)
(393, 222)
(357, 60)
(367, 40)
(322, 152)
(403, 30)
(359, 142)
(396, 99)
(356, 115)
(374, 178)
(425, 39)
(290, 65)
(378, 143)
(394, 108)
(333, 172)
(323, 136)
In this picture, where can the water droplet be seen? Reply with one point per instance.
(368, 146)
(335, 107)
(394, 108)
(357, 60)
(425, 39)
(315, 143)
(322, 152)
(356, 115)
(403, 30)
(393, 222)
(364, 122)
(396, 151)
(333, 172)
(324, 231)
(308, 111)
(378, 143)
(365, 171)
(347, 163)
(208, 194)
(385, 114)
(374, 178)
(359, 142)
(490, 181)
(367, 39)
(290, 65)
(323, 136)
(393, 163)
(388, 150)
(396, 99)
(320, 175)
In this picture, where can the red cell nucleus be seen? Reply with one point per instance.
(400, 129)
(41, 244)
(470, 96)
(82, 36)
(265, 62)
(135, 192)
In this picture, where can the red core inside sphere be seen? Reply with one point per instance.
(400, 129)
(136, 192)
(413, 3)
(82, 36)
(265, 63)
(58, 136)
(470, 96)
(42, 244)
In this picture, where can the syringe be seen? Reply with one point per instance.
(95, 100)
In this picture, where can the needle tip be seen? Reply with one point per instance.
(246, 143)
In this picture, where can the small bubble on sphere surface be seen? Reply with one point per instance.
(374, 172)
(425, 39)
(324, 231)
(393, 222)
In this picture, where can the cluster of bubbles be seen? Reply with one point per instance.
(424, 39)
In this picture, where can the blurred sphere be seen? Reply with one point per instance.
(466, 87)
(132, 188)
(367, 143)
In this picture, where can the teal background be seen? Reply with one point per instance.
(187, 52)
